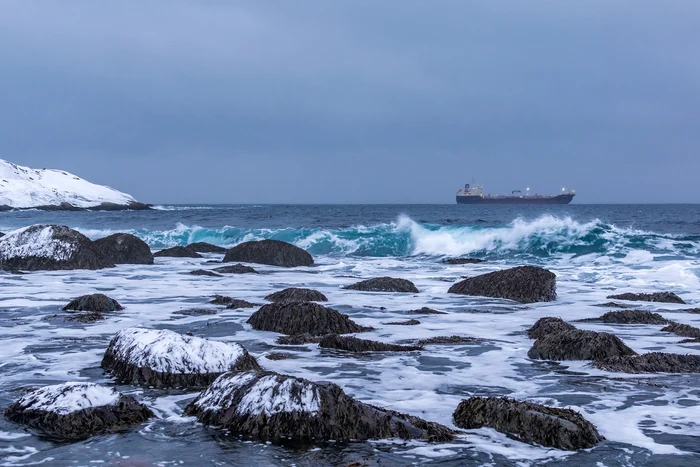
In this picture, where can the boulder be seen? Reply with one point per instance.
(462, 261)
(50, 248)
(410, 322)
(353, 344)
(527, 422)
(450, 340)
(204, 247)
(628, 317)
(683, 330)
(96, 302)
(524, 284)
(161, 358)
(124, 248)
(666, 297)
(204, 272)
(655, 362)
(271, 407)
(177, 252)
(236, 304)
(575, 344)
(76, 410)
(293, 295)
(548, 325)
(271, 252)
(303, 318)
(236, 269)
(384, 284)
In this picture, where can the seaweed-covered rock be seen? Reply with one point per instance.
(204, 272)
(76, 410)
(236, 269)
(161, 358)
(628, 317)
(455, 261)
(528, 422)
(95, 302)
(426, 311)
(124, 248)
(655, 362)
(271, 252)
(576, 344)
(683, 330)
(299, 339)
(548, 325)
(272, 407)
(353, 344)
(303, 318)
(384, 284)
(665, 297)
(236, 304)
(177, 252)
(294, 294)
(450, 340)
(410, 322)
(204, 247)
(49, 248)
(524, 284)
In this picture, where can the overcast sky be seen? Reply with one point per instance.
(356, 101)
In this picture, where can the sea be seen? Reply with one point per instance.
(594, 250)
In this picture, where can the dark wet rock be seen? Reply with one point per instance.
(271, 252)
(280, 356)
(161, 358)
(124, 248)
(524, 284)
(87, 317)
(204, 272)
(410, 322)
(683, 330)
(221, 300)
(527, 422)
(576, 344)
(665, 297)
(462, 261)
(384, 284)
(693, 310)
(236, 304)
(655, 362)
(614, 305)
(295, 295)
(628, 317)
(449, 340)
(204, 247)
(299, 410)
(299, 339)
(426, 311)
(95, 302)
(353, 344)
(690, 341)
(195, 312)
(177, 252)
(548, 325)
(303, 318)
(50, 248)
(236, 269)
(76, 410)
(2, 234)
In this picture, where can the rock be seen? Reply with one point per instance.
(426, 311)
(576, 344)
(236, 269)
(294, 295)
(236, 304)
(161, 358)
(2, 234)
(693, 310)
(303, 318)
(280, 356)
(655, 362)
(76, 410)
(614, 305)
(50, 248)
(95, 302)
(204, 247)
(548, 325)
(448, 340)
(410, 322)
(683, 330)
(221, 300)
(353, 344)
(299, 339)
(87, 317)
(524, 284)
(666, 297)
(195, 312)
(272, 407)
(124, 248)
(204, 272)
(462, 261)
(384, 284)
(177, 252)
(527, 422)
(628, 317)
(271, 252)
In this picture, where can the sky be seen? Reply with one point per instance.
(356, 101)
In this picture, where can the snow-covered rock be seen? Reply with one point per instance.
(25, 188)
(76, 410)
(270, 406)
(49, 247)
(162, 358)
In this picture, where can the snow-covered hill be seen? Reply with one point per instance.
(25, 188)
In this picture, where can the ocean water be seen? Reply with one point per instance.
(595, 250)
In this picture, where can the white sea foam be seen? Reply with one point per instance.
(69, 397)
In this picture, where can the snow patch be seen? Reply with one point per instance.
(35, 241)
(66, 398)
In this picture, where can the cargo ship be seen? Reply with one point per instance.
(472, 194)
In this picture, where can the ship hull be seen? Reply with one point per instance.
(559, 199)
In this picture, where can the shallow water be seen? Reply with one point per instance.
(594, 250)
